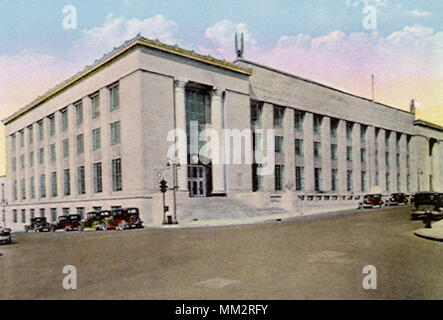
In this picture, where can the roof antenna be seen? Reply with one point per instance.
(240, 50)
(412, 106)
(373, 87)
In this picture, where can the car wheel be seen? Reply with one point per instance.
(104, 226)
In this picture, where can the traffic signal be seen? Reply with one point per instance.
(163, 186)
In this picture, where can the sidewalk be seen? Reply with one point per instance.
(436, 233)
(314, 214)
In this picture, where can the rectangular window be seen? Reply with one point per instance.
(279, 114)
(299, 178)
(31, 159)
(80, 144)
(65, 148)
(257, 142)
(14, 190)
(41, 156)
(279, 177)
(115, 133)
(14, 213)
(334, 180)
(14, 164)
(95, 101)
(317, 150)
(398, 182)
(51, 125)
(22, 139)
(22, 161)
(398, 159)
(67, 182)
(387, 136)
(298, 120)
(256, 112)
(349, 127)
(317, 124)
(65, 120)
(32, 187)
(299, 147)
(376, 179)
(257, 180)
(278, 144)
(387, 159)
(115, 98)
(349, 153)
(317, 179)
(376, 158)
(23, 188)
(363, 156)
(117, 175)
(79, 113)
(407, 162)
(349, 181)
(81, 212)
(13, 143)
(41, 133)
(66, 212)
(81, 180)
(42, 213)
(363, 130)
(31, 134)
(98, 177)
(97, 209)
(96, 140)
(334, 150)
(54, 184)
(23, 216)
(53, 152)
(334, 128)
(42, 186)
(408, 183)
(53, 214)
(363, 181)
(32, 213)
(388, 182)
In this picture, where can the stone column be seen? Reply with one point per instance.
(393, 161)
(218, 168)
(268, 123)
(382, 160)
(341, 150)
(403, 169)
(326, 153)
(356, 157)
(180, 122)
(105, 147)
(289, 149)
(308, 132)
(370, 155)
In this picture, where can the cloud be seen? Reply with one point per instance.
(355, 3)
(419, 13)
(116, 30)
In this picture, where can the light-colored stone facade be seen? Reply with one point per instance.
(152, 82)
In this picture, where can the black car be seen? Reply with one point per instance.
(5, 236)
(398, 199)
(427, 201)
(39, 225)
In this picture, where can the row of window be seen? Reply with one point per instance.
(95, 102)
(116, 173)
(318, 185)
(53, 213)
(299, 116)
(96, 145)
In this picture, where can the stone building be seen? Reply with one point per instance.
(100, 140)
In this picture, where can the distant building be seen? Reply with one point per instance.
(99, 140)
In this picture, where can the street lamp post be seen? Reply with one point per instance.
(175, 164)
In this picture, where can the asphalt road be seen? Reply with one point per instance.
(309, 258)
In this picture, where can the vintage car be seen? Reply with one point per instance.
(5, 236)
(124, 219)
(397, 199)
(67, 223)
(371, 201)
(39, 224)
(428, 202)
(91, 222)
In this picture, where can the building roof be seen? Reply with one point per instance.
(428, 124)
(116, 54)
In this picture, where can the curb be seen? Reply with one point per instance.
(424, 233)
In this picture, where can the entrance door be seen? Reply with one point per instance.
(197, 183)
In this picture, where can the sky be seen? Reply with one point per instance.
(336, 42)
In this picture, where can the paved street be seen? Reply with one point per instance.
(307, 258)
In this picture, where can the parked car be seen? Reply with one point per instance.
(425, 201)
(38, 224)
(397, 199)
(91, 222)
(371, 201)
(5, 236)
(67, 223)
(122, 219)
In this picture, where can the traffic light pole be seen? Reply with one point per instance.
(164, 208)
